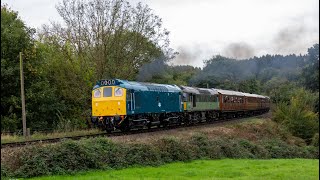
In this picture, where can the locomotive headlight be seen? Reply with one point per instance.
(96, 93)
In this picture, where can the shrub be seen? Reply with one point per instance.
(279, 149)
(298, 116)
(202, 145)
(100, 153)
(315, 140)
(34, 162)
(4, 171)
(174, 150)
(142, 154)
(312, 152)
(256, 150)
(231, 148)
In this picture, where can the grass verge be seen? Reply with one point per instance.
(211, 169)
(8, 138)
(250, 140)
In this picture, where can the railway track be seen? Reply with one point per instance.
(119, 133)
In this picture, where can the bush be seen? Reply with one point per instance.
(256, 150)
(312, 152)
(231, 148)
(4, 172)
(141, 154)
(279, 149)
(298, 116)
(99, 153)
(315, 140)
(174, 150)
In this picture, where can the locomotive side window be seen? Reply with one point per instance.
(107, 92)
(215, 98)
(118, 92)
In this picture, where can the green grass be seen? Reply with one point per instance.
(6, 138)
(211, 169)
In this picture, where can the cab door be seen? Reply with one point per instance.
(130, 100)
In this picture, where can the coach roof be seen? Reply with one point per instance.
(229, 92)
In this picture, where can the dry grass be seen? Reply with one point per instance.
(252, 129)
(219, 129)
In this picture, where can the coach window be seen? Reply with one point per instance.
(107, 92)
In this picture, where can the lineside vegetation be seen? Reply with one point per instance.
(252, 140)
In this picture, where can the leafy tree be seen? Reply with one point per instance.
(283, 92)
(298, 117)
(42, 102)
(238, 74)
(111, 36)
(67, 81)
(250, 86)
(310, 75)
(15, 38)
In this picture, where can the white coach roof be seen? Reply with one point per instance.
(229, 92)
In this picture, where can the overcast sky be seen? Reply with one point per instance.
(202, 28)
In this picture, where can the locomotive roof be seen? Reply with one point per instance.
(208, 91)
(195, 90)
(188, 89)
(140, 86)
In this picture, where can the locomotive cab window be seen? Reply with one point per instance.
(118, 91)
(97, 93)
(107, 92)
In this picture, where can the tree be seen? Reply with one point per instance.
(42, 102)
(250, 86)
(15, 38)
(310, 74)
(298, 116)
(111, 36)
